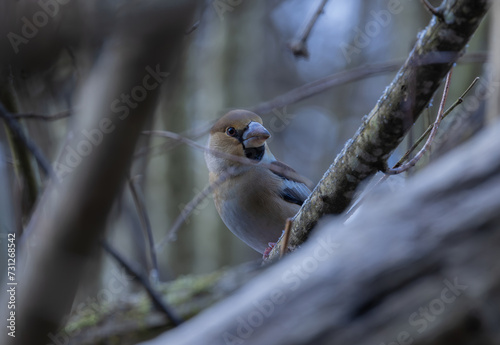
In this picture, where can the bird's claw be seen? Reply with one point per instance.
(268, 250)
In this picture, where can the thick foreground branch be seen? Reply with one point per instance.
(419, 266)
(437, 49)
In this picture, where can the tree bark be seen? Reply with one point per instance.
(493, 108)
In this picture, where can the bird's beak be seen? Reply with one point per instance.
(255, 135)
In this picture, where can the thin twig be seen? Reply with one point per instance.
(16, 128)
(193, 27)
(146, 225)
(155, 296)
(242, 160)
(185, 213)
(429, 129)
(298, 46)
(432, 134)
(191, 206)
(286, 237)
(25, 167)
(191, 134)
(318, 86)
(432, 10)
(323, 84)
(411, 149)
(57, 116)
(300, 93)
(313, 88)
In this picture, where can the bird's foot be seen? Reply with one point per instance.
(268, 250)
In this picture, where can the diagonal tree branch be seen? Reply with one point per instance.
(155, 296)
(438, 47)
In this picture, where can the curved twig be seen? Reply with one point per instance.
(155, 296)
(411, 163)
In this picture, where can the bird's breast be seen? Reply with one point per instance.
(253, 211)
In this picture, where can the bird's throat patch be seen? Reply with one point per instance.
(255, 153)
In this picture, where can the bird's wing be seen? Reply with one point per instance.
(295, 187)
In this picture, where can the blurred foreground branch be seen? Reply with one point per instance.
(71, 215)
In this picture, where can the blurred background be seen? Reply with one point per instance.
(236, 55)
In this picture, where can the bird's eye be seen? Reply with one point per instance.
(231, 131)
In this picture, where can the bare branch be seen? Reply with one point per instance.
(156, 298)
(193, 27)
(411, 149)
(286, 237)
(299, 45)
(16, 128)
(316, 87)
(31, 116)
(432, 10)
(146, 225)
(241, 160)
(428, 130)
(323, 84)
(191, 206)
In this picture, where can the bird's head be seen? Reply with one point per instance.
(239, 133)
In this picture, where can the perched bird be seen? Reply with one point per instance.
(254, 200)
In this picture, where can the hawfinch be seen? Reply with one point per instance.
(254, 200)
